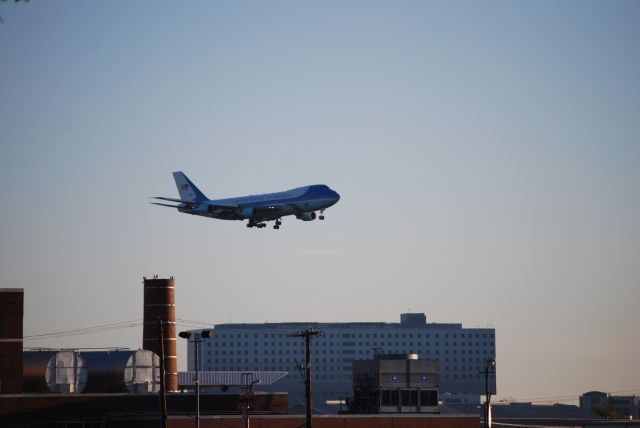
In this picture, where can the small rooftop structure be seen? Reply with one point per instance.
(413, 319)
(395, 383)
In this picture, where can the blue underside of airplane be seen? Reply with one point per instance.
(302, 202)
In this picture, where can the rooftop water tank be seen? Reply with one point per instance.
(122, 371)
(54, 371)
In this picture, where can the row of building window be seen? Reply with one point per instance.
(230, 344)
(345, 352)
(359, 335)
(477, 369)
(409, 397)
(336, 376)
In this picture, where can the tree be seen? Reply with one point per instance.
(607, 411)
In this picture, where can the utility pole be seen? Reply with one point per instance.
(307, 335)
(198, 338)
(163, 391)
(197, 382)
(490, 364)
(247, 387)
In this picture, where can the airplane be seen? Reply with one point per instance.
(302, 202)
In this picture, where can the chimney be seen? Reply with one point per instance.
(159, 306)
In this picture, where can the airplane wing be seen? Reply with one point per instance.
(165, 205)
(267, 211)
(172, 200)
(232, 211)
(216, 205)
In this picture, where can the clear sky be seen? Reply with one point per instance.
(487, 155)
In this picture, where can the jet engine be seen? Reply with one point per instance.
(307, 216)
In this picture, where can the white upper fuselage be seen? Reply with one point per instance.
(301, 202)
(270, 206)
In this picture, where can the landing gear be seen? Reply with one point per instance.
(321, 216)
(278, 223)
(252, 223)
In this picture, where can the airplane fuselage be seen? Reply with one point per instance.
(268, 206)
(302, 202)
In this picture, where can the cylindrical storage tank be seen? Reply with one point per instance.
(122, 371)
(160, 309)
(53, 371)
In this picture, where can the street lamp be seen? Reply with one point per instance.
(491, 364)
(197, 339)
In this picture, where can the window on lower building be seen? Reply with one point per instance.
(428, 398)
(409, 397)
(390, 397)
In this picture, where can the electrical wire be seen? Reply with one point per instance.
(86, 330)
(193, 323)
(551, 399)
(109, 327)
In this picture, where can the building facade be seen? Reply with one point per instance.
(395, 384)
(11, 314)
(461, 353)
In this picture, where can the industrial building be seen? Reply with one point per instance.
(461, 354)
(104, 388)
(11, 314)
(122, 388)
(395, 384)
(626, 406)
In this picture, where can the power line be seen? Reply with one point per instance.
(558, 397)
(626, 390)
(87, 330)
(80, 348)
(53, 335)
(102, 328)
(568, 397)
(193, 323)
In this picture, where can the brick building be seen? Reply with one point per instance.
(11, 313)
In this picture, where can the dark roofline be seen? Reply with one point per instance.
(347, 325)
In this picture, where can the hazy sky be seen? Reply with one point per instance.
(487, 155)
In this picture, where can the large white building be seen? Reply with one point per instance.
(461, 353)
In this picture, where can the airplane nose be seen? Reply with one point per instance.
(336, 195)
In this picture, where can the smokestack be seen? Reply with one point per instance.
(159, 305)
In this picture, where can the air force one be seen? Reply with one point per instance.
(303, 202)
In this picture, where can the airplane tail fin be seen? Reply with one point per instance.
(188, 191)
